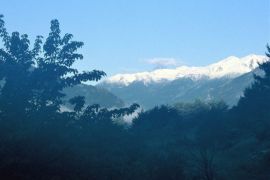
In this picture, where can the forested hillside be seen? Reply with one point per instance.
(186, 141)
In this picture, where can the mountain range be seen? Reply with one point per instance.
(224, 80)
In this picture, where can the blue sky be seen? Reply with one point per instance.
(129, 36)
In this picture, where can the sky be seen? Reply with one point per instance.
(124, 36)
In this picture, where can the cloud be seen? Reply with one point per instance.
(163, 62)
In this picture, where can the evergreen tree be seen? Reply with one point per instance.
(255, 101)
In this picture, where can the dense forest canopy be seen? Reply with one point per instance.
(192, 141)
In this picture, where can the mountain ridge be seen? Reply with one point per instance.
(231, 66)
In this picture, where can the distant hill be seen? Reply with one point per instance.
(94, 95)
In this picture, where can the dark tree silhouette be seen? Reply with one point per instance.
(35, 135)
(259, 92)
(34, 78)
(253, 108)
(78, 103)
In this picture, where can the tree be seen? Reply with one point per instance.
(16, 60)
(253, 110)
(257, 97)
(78, 103)
(55, 72)
(33, 79)
(36, 136)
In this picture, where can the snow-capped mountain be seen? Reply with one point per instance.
(224, 80)
(230, 67)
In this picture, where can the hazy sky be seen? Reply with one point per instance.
(128, 36)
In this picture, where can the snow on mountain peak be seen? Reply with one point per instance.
(228, 67)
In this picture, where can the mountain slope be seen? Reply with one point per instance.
(94, 95)
(184, 90)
